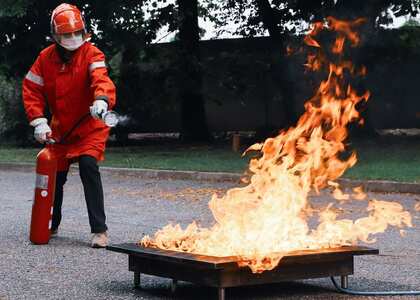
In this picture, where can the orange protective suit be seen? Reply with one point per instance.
(69, 89)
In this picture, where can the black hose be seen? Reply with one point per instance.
(66, 135)
(383, 293)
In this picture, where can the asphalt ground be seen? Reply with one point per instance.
(67, 268)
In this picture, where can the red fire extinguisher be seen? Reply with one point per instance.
(46, 172)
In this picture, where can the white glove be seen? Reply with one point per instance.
(42, 130)
(98, 108)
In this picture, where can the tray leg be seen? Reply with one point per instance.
(137, 279)
(344, 281)
(174, 283)
(221, 292)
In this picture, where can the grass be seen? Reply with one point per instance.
(378, 159)
(203, 158)
(19, 155)
(199, 158)
(389, 160)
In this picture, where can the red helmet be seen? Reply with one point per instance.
(66, 18)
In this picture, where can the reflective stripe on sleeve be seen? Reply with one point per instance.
(97, 64)
(35, 78)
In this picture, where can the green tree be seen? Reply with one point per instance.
(193, 119)
(411, 23)
(280, 19)
(122, 29)
(22, 36)
(120, 26)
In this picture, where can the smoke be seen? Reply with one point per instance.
(123, 120)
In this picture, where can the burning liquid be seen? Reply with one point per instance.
(269, 217)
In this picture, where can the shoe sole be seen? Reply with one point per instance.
(97, 246)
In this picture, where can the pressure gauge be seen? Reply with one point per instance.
(110, 118)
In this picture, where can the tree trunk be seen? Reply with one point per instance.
(128, 82)
(281, 69)
(193, 118)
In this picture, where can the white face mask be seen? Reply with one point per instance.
(72, 43)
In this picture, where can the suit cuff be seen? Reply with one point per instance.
(37, 121)
(103, 98)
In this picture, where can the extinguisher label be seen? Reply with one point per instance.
(41, 181)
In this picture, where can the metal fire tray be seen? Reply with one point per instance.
(224, 272)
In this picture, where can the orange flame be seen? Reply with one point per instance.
(346, 28)
(309, 38)
(268, 217)
(358, 193)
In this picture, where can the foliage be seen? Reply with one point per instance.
(411, 23)
(13, 8)
(124, 29)
(13, 125)
(408, 40)
(153, 86)
(24, 26)
(281, 19)
(121, 28)
(251, 18)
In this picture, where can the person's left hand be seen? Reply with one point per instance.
(98, 108)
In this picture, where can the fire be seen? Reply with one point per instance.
(262, 221)
(358, 193)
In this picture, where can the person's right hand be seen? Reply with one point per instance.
(98, 108)
(42, 130)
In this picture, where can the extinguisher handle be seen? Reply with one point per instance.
(49, 140)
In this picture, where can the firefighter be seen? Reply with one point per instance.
(70, 77)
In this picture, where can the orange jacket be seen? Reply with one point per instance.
(69, 89)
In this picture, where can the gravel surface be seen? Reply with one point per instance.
(67, 268)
